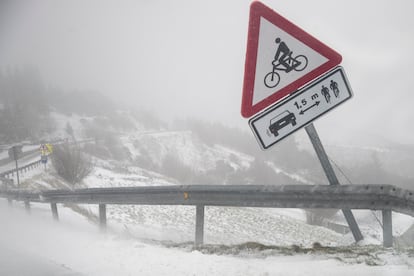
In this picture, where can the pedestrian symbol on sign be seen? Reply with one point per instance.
(325, 93)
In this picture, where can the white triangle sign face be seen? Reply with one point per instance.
(266, 52)
(280, 58)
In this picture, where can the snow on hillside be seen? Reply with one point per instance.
(145, 233)
(80, 122)
(396, 161)
(393, 158)
(294, 176)
(133, 176)
(186, 147)
(228, 225)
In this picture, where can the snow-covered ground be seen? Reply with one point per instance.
(78, 247)
(223, 225)
(158, 240)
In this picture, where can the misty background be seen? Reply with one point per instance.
(148, 92)
(183, 59)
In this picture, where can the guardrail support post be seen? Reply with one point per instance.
(387, 228)
(199, 231)
(27, 206)
(102, 217)
(54, 211)
(333, 180)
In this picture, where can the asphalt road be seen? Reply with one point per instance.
(15, 261)
(23, 251)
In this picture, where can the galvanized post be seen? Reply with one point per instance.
(27, 206)
(387, 228)
(54, 211)
(15, 153)
(333, 180)
(199, 231)
(9, 200)
(102, 217)
(17, 174)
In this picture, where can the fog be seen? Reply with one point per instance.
(186, 58)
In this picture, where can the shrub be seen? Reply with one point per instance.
(70, 163)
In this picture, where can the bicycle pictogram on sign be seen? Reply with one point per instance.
(283, 61)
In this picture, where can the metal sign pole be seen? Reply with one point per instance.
(333, 180)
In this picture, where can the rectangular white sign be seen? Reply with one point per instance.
(301, 108)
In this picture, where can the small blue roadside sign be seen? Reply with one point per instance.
(43, 159)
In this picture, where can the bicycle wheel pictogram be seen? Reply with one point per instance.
(271, 80)
(302, 63)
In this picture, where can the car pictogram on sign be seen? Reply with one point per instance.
(280, 121)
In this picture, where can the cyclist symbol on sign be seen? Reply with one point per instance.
(284, 61)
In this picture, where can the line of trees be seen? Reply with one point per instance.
(24, 112)
(26, 102)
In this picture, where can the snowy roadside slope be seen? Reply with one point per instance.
(152, 229)
(176, 223)
(79, 247)
(222, 225)
(227, 225)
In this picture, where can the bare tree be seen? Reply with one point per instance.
(69, 131)
(70, 163)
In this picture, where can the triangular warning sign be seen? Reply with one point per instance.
(280, 58)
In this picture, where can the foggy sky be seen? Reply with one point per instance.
(186, 58)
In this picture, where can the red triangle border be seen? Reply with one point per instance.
(257, 10)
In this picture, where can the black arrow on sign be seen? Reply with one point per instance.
(303, 111)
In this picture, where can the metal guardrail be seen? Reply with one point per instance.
(372, 197)
(21, 169)
(20, 195)
(29, 152)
